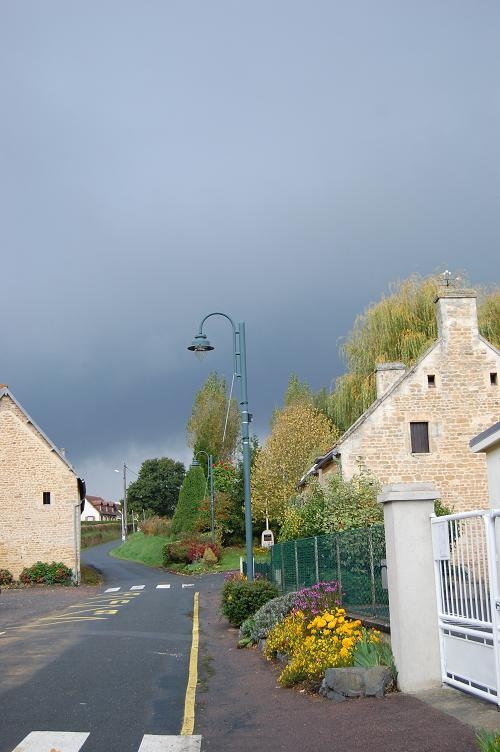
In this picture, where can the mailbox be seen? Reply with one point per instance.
(267, 539)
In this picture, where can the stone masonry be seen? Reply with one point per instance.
(30, 465)
(455, 388)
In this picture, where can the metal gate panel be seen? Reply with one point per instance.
(465, 556)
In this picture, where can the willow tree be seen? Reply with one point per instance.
(214, 423)
(299, 434)
(400, 328)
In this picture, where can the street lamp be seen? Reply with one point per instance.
(200, 344)
(210, 461)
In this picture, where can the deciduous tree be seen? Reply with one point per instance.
(156, 490)
(400, 327)
(299, 433)
(207, 429)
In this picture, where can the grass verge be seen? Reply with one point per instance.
(145, 549)
(148, 550)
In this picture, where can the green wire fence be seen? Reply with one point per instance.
(356, 558)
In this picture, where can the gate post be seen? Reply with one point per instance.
(412, 591)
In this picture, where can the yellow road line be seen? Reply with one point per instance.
(188, 723)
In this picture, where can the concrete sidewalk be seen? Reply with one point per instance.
(240, 705)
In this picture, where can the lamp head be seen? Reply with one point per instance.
(200, 344)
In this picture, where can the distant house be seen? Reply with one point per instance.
(96, 508)
(40, 494)
(420, 425)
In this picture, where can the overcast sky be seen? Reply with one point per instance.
(280, 161)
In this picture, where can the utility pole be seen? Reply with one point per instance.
(124, 512)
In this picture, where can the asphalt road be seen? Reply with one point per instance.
(112, 663)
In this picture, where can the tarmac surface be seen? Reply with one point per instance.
(241, 706)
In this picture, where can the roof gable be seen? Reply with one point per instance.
(5, 392)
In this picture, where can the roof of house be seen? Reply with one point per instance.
(5, 392)
(101, 504)
(486, 439)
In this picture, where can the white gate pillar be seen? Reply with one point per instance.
(412, 590)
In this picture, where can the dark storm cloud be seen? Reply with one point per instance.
(282, 162)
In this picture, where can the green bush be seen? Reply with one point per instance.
(258, 626)
(40, 572)
(6, 577)
(95, 533)
(188, 551)
(488, 741)
(241, 599)
(193, 491)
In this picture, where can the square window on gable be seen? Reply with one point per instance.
(494, 379)
(431, 380)
(419, 435)
(46, 497)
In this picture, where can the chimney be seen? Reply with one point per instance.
(386, 375)
(456, 313)
(4, 386)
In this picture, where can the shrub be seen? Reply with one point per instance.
(40, 572)
(258, 626)
(313, 645)
(241, 599)
(188, 551)
(156, 526)
(6, 577)
(209, 558)
(197, 550)
(369, 652)
(323, 596)
(192, 492)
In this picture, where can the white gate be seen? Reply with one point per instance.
(465, 559)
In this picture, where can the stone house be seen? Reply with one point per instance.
(96, 508)
(420, 425)
(40, 494)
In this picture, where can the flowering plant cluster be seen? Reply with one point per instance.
(317, 598)
(312, 645)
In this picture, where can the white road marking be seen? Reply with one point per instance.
(62, 741)
(71, 741)
(153, 743)
(137, 587)
(160, 587)
(112, 590)
(189, 584)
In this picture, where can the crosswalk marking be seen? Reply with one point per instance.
(155, 743)
(188, 584)
(137, 587)
(112, 590)
(72, 741)
(159, 587)
(62, 741)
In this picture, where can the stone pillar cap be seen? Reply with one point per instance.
(408, 492)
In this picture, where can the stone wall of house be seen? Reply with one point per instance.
(461, 400)
(29, 529)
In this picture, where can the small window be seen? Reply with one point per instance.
(419, 433)
(494, 379)
(46, 497)
(431, 381)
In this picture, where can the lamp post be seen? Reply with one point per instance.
(201, 344)
(211, 481)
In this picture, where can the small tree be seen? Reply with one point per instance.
(193, 491)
